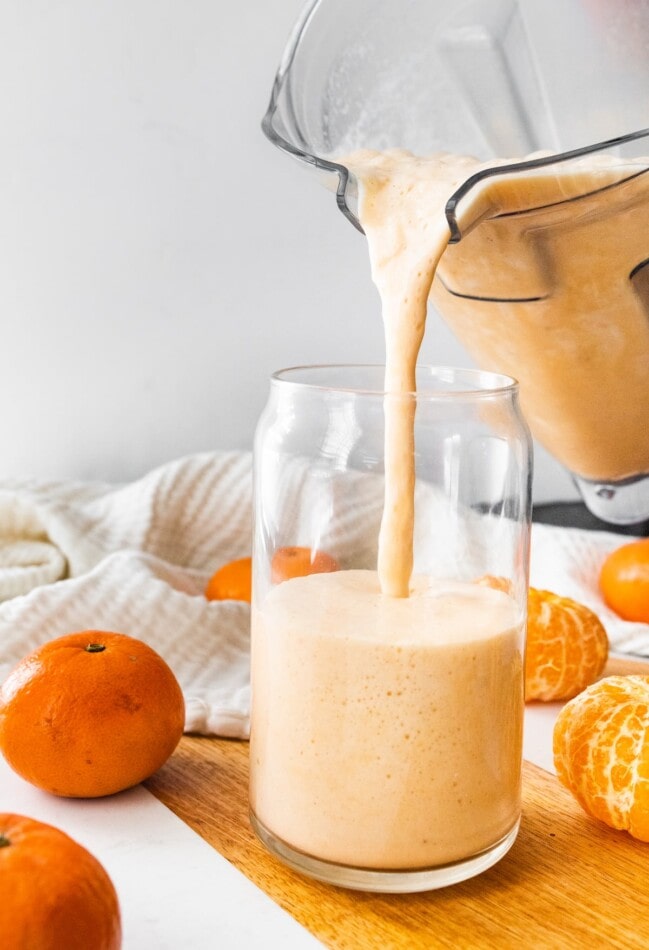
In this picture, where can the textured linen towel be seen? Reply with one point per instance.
(135, 559)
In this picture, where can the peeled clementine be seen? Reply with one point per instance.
(90, 714)
(624, 581)
(567, 647)
(601, 752)
(233, 581)
(55, 894)
(288, 562)
(495, 582)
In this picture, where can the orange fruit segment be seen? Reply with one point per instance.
(601, 752)
(296, 561)
(55, 893)
(495, 582)
(624, 581)
(233, 581)
(567, 647)
(90, 714)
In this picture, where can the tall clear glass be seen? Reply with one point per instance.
(386, 735)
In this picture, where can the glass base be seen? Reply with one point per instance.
(386, 882)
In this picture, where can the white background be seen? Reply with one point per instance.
(158, 257)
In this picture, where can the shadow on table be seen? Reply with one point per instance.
(574, 514)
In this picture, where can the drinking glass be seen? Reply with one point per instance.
(386, 734)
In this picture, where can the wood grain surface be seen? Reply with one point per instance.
(568, 882)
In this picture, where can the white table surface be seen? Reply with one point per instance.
(176, 892)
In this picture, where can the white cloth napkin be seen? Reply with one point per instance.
(135, 559)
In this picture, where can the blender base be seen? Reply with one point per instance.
(617, 503)
(575, 514)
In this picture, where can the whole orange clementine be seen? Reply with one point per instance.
(90, 714)
(601, 752)
(296, 561)
(55, 894)
(233, 581)
(624, 580)
(566, 649)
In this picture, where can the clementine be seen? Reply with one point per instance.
(567, 647)
(296, 561)
(624, 580)
(90, 714)
(55, 894)
(601, 752)
(233, 581)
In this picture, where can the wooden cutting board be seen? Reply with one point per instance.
(568, 882)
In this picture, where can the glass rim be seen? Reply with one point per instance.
(477, 383)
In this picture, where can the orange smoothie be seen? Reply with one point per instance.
(386, 732)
